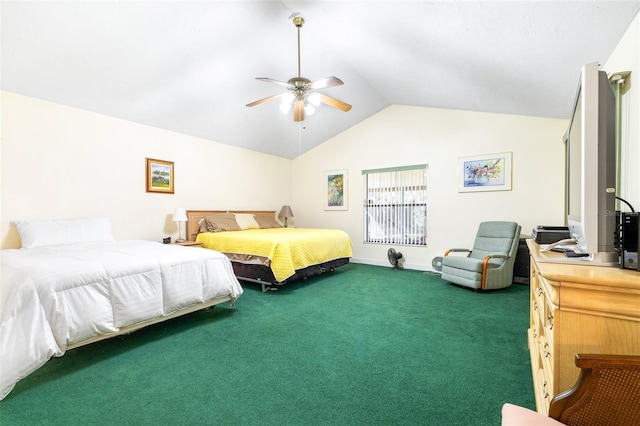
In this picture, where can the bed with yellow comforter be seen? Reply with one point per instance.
(273, 256)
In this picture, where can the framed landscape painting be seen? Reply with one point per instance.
(335, 190)
(160, 176)
(490, 172)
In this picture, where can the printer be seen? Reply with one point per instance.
(543, 234)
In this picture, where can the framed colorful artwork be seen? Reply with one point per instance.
(160, 176)
(491, 172)
(335, 190)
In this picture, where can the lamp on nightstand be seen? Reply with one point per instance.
(285, 213)
(180, 216)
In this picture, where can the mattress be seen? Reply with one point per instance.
(285, 249)
(52, 298)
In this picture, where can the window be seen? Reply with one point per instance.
(395, 205)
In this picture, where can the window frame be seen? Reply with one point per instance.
(399, 216)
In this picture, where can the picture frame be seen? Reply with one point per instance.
(490, 172)
(160, 176)
(335, 190)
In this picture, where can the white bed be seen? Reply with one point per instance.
(57, 297)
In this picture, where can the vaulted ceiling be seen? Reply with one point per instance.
(190, 66)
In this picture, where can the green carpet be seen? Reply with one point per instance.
(363, 345)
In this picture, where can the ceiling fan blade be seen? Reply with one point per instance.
(333, 102)
(325, 82)
(298, 110)
(270, 80)
(258, 102)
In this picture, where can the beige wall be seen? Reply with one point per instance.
(61, 162)
(401, 135)
(64, 162)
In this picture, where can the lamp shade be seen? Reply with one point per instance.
(179, 215)
(285, 212)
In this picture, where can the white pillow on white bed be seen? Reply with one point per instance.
(62, 232)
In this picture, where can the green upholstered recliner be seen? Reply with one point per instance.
(489, 265)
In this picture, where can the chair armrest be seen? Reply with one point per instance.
(603, 383)
(485, 262)
(497, 256)
(457, 250)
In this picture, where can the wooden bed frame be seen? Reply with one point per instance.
(259, 274)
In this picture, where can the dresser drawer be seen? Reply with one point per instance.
(542, 316)
(547, 362)
(541, 371)
(548, 321)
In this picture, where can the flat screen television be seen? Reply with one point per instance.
(591, 169)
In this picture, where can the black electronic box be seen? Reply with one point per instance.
(629, 242)
(543, 234)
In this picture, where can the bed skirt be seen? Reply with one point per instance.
(263, 275)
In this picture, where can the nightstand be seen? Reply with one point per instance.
(188, 244)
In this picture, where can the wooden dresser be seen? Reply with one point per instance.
(577, 309)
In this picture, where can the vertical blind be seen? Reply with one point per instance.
(395, 205)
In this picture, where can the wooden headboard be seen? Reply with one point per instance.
(194, 216)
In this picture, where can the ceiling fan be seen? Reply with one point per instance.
(302, 91)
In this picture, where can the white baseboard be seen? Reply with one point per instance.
(386, 263)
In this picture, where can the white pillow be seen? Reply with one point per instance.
(246, 221)
(61, 232)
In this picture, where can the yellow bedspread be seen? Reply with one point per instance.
(288, 249)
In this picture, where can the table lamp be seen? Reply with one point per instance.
(180, 216)
(285, 213)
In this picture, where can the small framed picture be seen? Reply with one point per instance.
(335, 190)
(491, 172)
(160, 176)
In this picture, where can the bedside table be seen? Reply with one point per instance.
(188, 244)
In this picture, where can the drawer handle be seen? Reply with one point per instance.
(545, 392)
(539, 291)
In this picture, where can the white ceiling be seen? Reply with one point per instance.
(190, 66)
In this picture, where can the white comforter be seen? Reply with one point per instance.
(51, 297)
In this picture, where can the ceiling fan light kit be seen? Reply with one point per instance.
(301, 91)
